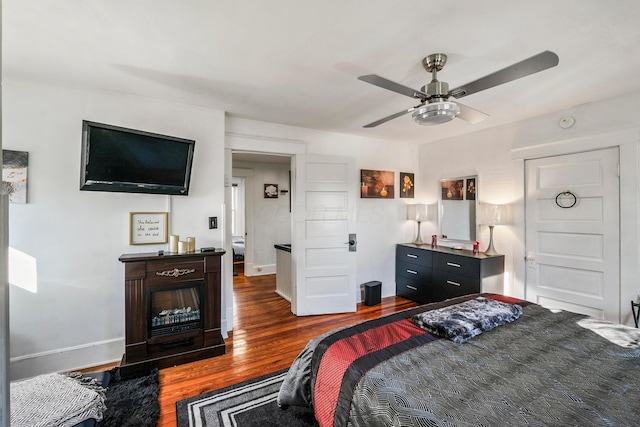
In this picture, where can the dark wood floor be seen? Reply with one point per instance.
(265, 339)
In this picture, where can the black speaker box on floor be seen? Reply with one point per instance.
(372, 292)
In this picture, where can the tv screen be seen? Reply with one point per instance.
(131, 161)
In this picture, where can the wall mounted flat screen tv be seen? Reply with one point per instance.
(117, 159)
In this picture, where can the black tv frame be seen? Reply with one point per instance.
(132, 187)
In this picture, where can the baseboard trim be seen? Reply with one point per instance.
(283, 295)
(66, 359)
(251, 270)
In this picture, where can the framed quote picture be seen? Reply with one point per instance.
(375, 184)
(148, 228)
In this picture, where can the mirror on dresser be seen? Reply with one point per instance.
(457, 206)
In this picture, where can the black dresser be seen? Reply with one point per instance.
(427, 274)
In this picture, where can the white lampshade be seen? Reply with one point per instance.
(417, 212)
(493, 214)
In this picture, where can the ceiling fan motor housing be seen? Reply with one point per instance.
(436, 90)
(437, 110)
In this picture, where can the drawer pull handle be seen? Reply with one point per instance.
(412, 272)
(453, 264)
(449, 282)
(412, 256)
(413, 288)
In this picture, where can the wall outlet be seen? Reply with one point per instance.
(213, 222)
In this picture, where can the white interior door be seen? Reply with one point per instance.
(572, 243)
(324, 212)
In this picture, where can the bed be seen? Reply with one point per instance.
(237, 244)
(541, 368)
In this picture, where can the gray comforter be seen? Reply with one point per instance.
(544, 369)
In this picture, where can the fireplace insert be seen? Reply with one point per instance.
(174, 310)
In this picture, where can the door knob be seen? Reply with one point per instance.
(530, 258)
(352, 242)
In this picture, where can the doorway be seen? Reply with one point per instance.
(261, 220)
(244, 144)
(238, 223)
(325, 273)
(573, 232)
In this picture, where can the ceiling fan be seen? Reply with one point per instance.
(435, 107)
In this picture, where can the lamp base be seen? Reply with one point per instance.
(490, 249)
(418, 239)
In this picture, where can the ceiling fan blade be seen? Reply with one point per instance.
(391, 117)
(393, 86)
(470, 115)
(532, 65)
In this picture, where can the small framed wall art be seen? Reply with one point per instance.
(271, 191)
(148, 228)
(459, 189)
(407, 185)
(452, 190)
(376, 184)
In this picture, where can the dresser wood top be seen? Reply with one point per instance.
(447, 250)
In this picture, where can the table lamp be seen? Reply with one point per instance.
(418, 213)
(492, 215)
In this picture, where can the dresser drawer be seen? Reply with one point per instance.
(413, 255)
(415, 271)
(449, 285)
(410, 287)
(456, 264)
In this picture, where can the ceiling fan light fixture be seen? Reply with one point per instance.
(436, 113)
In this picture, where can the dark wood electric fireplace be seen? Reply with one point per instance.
(172, 310)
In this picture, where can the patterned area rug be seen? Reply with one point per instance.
(251, 403)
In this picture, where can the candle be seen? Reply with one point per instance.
(364, 190)
(183, 247)
(173, 243)
(191, 241)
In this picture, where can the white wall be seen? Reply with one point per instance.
(75, 318)
(489, 159)
(269, 220)
(497, 156)
(380, 223)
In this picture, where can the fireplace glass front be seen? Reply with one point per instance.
(174, 310)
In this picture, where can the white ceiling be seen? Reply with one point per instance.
(296, 61)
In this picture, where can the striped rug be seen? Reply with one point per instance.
(250, 403)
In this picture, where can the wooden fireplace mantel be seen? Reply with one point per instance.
(145, 273)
